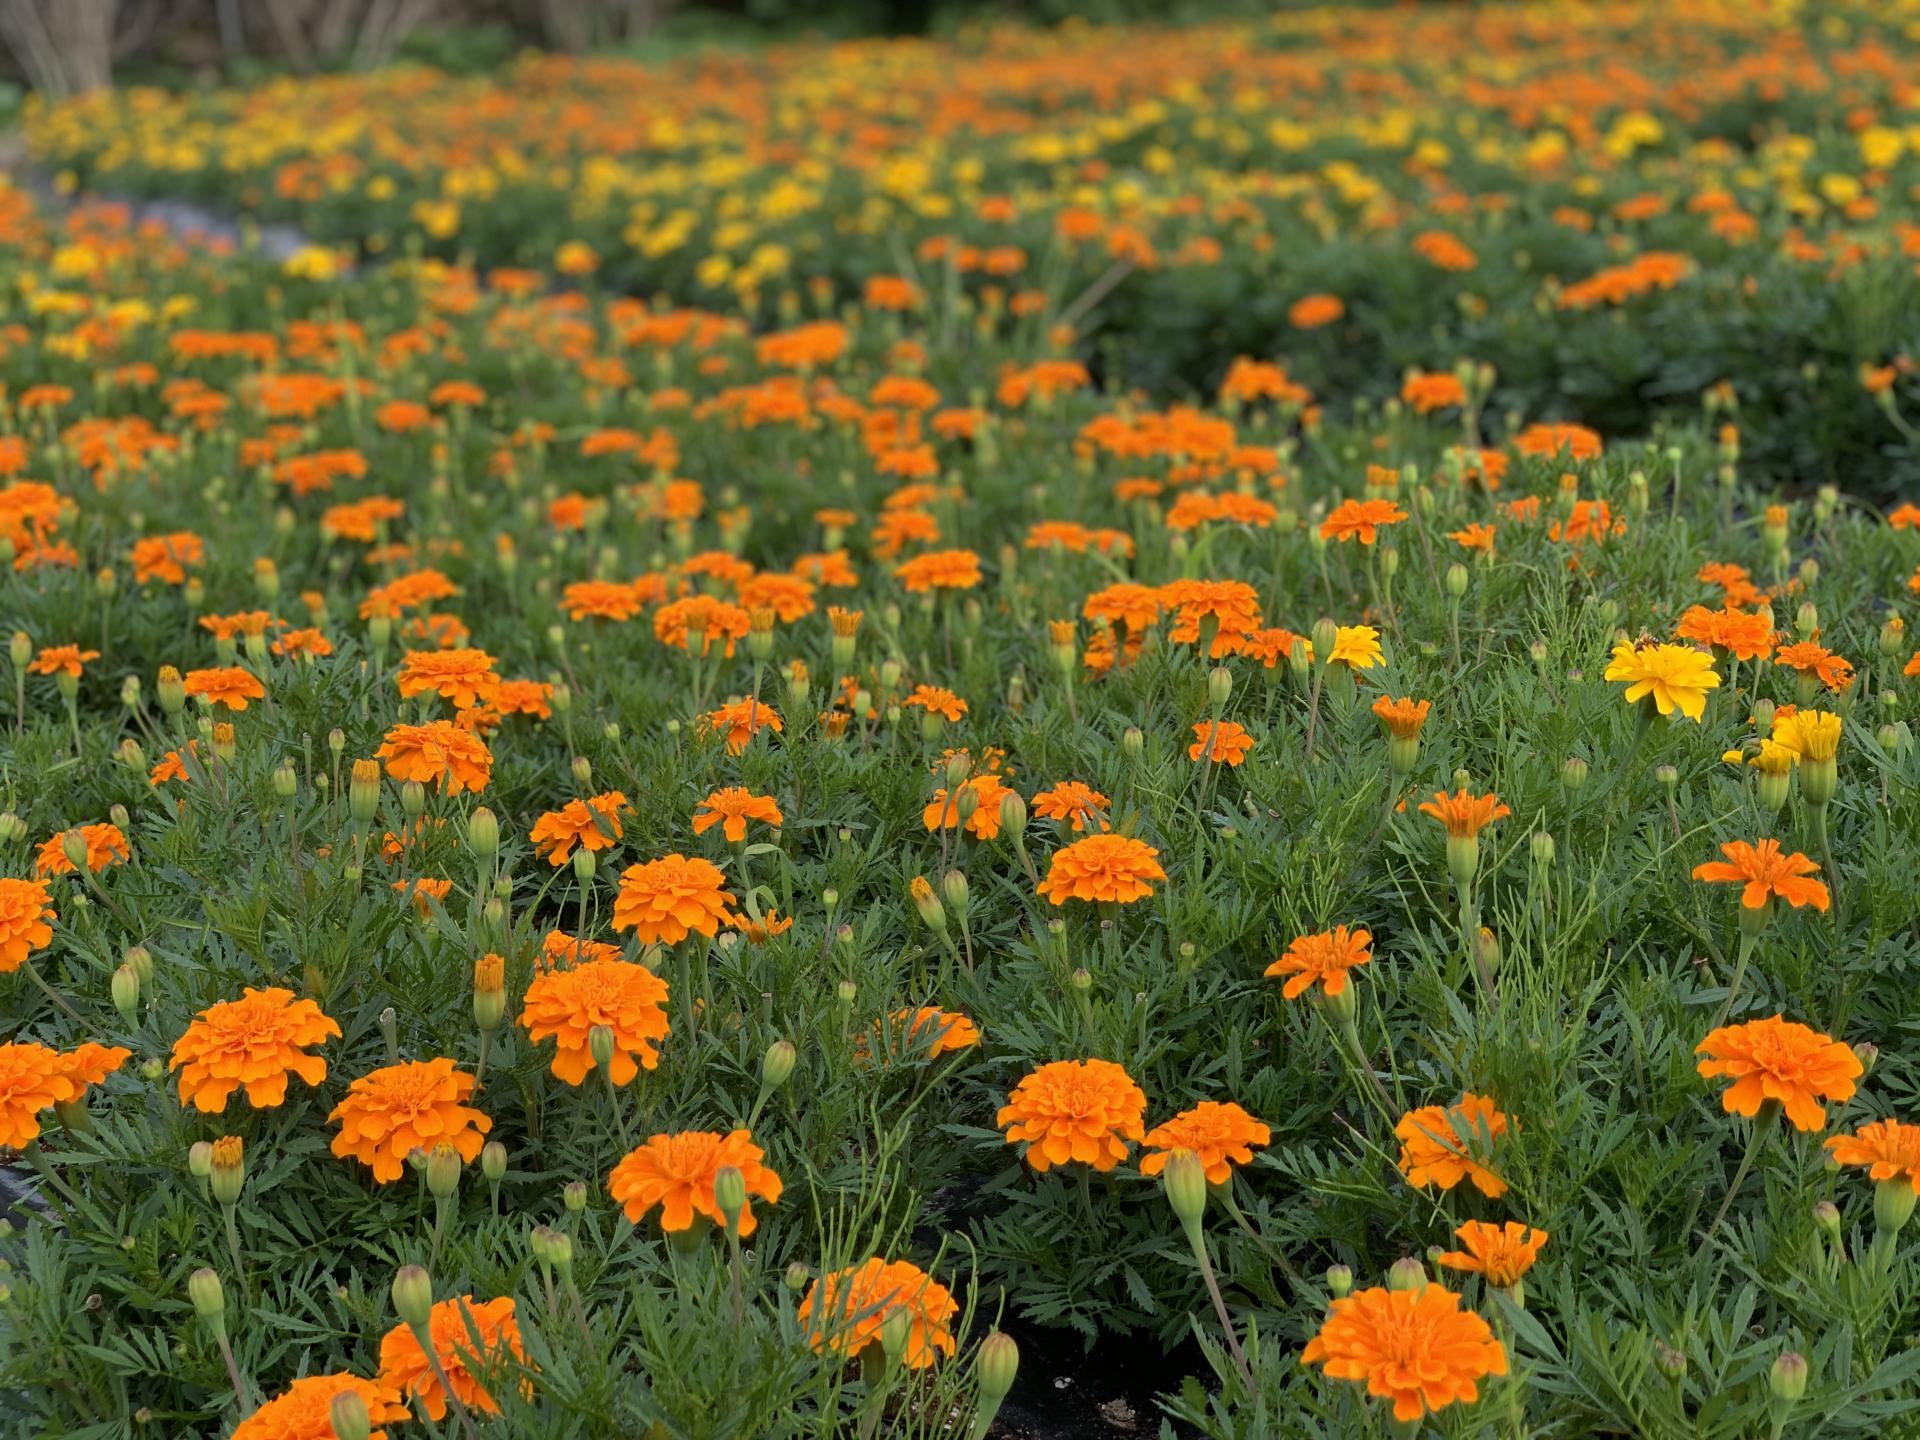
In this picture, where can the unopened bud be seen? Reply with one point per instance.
(413, 1296)
(776, 1066)
(1788, 1377)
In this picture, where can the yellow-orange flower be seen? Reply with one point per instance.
(676, 1172)
(592, 824)
(106, 845)
(665, 900)
(465, 677)
(438, 752)
(1219, 1132)
(1360, 520)
(1464, 815)
(253, 1043)
(451, 1327)
(1445, 1144)
(232, 686)
(1221, 741)
(627, 998)
(731, 808)
(1890, 1149)
(940, 570)
(406, 1107)
(1322, 959)
(1502, 1253)
(1074, 1110)
(62, 660)
(33, 1078)
(1417, 1348)
(303, 1410)
(845, 1311)
(1677, 677)
(1764, 872)
(1403, 718)
(1357, 647)
(1783, 1061)
(25, 909)
(1114, 869)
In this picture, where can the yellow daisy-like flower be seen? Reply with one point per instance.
(1677, 677)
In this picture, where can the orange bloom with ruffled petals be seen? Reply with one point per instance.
(1464, 815)
(33, 1079)
(566, 1005)
(1764, 872)
(665, 900)
(303, 1411)
(1075, 1110)
(1783, 1061)
(1502, 1253)
(1322, 959)
(846, 1310)
(676, 1173)
(465, 677)
(1417, 1348)
(1360, 520)
(592, 824)
(1445, 1144)
(731, 808)
(251, 1044)
(406, 1107)
(25, 909)
(451, 1327)
(1890, 1149)
(438, 752)
(1078, 805)
(1220, 741)
(232, 686)
(1116, 869)
(106, 845)
(1219, 1132)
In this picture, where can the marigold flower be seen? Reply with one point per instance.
(1765, 872)
(438, 752)
(463, 676)
(1812, 734)
(936, 701)
(25, 909)
(1890, 1149)
(106, 845)
(1502, 1253)
(625, 997)
(731, 808)
(1074, 1110)
(1219, 1132)
(406, 1107)
(1357, 647)
(1678, 677)
(253, 1043)
(303, 1410)
(33, 1078)
(62, 660)
(451, 1327)
(232, 686)
(1443, 1145)
(1220, 741)
(1324, 959)
(665, 900)
(1464, 815)
(925, 1033)
(592, 824)
(1360, 520)
(940, 570)
(1780, 1060)
(1403, 718)
(1417, 1348)
(740, 721)
(91, 1063)
(1079, 805)
(989, 789)
(846, 1310)
(676, 1172)
(1117, 869)
(1311, 312)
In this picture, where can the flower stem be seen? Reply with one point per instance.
(1763, 1124)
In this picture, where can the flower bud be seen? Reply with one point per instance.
(20, 649)
(600, 1045)
(286, 781)
(1788, 1377)
(229, 1172)
(209, 1300)
(443, 1170)
(73, 845)
(413, 799)
(1219, 686)
(894, 1331)
(493, 1162)
(996, 1363)
(1186, 1185)
(1407, 1273)
(347, 1413)
(1668, 1361)
(573, 1195)
(1133, 741)
(928, 904)
(489, 992)
(1324, 634)
(1827, 1216)
(1013, 816)
(126, 993)
(170, 689)
(363, 791)
(796, 1276)
(1540, 849)
(200, 1159)
(1573, 774)
(776, 1066)
(730, 1195)
(413, 1296)
(1457, 579)
(483, 833)
(1339, 1281)
(953, 885)
(1892, 1206)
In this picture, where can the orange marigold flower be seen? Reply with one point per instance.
(437, 752)
(984, 824)
(602, 599)
(936, 701)
(91, 1063)
(25, 909)
(1324, 958)
(625, 997)
(704, 616)
(62, 660)
(926, 1033)
(303, 1411)
(740, 721)
(1219, 1132)
(1576, 441)
(1890, 1149)
(406, 1107)
(940, 570)
(105, 846)
(1221, 741)
(592, 824)
(1311, 312)
(253, 1043)
(1765, 872)
(1430, 390)
(1403, 718)
(1476, 536)
(1360, 520)
(1074, 1110)
(1502, 1253)
(731, 808)
(1780, 1060)
(665, 900)
(1464, 815)
(1134, 606)
(1417, 1348)
(1443, 1145)
(232, 686)
(1078, 804)
(463, 676)
(846, 1310)
(451, 1327)
(1113, 868)
(676, 1173)
(33, 1079)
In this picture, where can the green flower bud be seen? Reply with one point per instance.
(209, 1301)
(1788, 1377)
(996, 1363)
(443, 1170)
(730, 1195)
(1339, 1281)
(413, 1296)
(1407, 1273)
(493, 1162)
(1186, 1185)
(777, 1064)
(483, 833)
(126, 993)
(600, 1045)
(347, 1413)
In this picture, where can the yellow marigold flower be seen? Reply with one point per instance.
(1677, 677)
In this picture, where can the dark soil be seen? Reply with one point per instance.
(1067, 1392)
